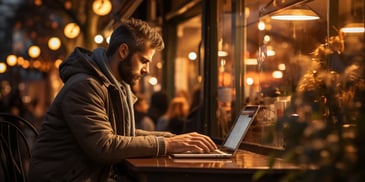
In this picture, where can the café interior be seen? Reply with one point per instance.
(301, 61)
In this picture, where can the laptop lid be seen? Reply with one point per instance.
(240, 128)
(234, 137)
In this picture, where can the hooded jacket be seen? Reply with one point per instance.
(86, 129)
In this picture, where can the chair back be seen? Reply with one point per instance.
(15, 150)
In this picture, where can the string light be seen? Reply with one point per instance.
(11, 60)
(2, 67)
(72, 30)
(34, 51)
(54, 43)
(98, 39)
(102, 7)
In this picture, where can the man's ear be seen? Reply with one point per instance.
(123, 51)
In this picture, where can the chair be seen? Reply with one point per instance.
(15, 149)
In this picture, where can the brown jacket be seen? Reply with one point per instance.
(83, 133)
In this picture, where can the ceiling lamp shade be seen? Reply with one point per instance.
(296, 14)
(353, 28)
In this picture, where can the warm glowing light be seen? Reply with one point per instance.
(2, 67)
(38, 2)
(282, 67)
(222, 53)
(54, 43)
(26, 64)
(26, 99)
(98, 39)
(277, 74)
(34, 51)
(108, 39)
(223, 62)
(353, 28)
(249, 81)
(294, 18)
(11, 60)
(270, 51)
(159, 65)
(20, 60)
(267, 38)
(153, 81)
(261, 26)
(37, 64)
(296, 15)
(57, 63)
(72, 30)
(68, 5)
(251, 61)
(102, 7)
(192, 56)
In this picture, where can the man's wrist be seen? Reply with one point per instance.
(161, 146)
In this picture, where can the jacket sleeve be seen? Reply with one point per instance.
(140, 132)
(84, 110)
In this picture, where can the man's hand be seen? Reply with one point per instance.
(193, 142)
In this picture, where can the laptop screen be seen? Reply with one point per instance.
(240, 128)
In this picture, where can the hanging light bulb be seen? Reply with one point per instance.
(72, 30)
(98, 39)
(102, 7)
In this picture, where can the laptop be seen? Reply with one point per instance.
(233, 139)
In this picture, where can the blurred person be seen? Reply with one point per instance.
(33, 114)
(183, 93)
(158, 105)
(90, 128)
(143, 121)
(175, 117)
(13, 103)
(193, 122)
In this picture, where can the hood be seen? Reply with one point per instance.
(80, 61)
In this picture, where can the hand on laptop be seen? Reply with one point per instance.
(193, 142)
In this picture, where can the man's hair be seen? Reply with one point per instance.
(135, 33)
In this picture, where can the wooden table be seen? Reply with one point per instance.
(240, 168)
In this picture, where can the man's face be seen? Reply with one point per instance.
(136, 65)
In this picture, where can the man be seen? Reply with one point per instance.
(90, 125)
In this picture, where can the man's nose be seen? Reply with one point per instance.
(146, 68)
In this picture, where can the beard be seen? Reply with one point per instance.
(126, 72)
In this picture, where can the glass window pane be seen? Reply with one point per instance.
(304, 57)
(225, 67)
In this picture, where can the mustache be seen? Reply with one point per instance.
(137, 76)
